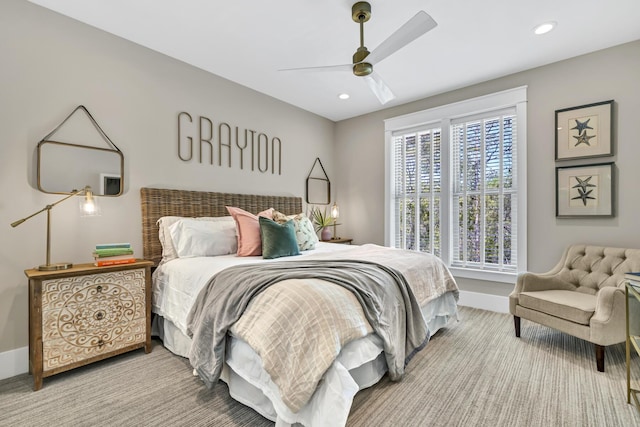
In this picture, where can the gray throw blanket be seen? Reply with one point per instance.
(386, 298)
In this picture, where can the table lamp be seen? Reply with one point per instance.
(335, 213)
(88, 207)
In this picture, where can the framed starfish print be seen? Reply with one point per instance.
(585, 190)
(584, 131)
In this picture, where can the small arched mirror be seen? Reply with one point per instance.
(64, 167)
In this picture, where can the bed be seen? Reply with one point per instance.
(360, 362)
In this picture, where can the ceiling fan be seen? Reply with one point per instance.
(363, 60)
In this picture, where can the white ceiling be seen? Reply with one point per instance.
(249, 41)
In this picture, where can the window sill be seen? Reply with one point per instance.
(491, 276)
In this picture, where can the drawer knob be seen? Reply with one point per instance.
(99, 288)
(99, 315)
(100, 343)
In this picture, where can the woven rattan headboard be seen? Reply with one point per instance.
(158, 202)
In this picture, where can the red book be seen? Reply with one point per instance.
(104, 262)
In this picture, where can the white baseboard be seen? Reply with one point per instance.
(14, 362)
(496, 303)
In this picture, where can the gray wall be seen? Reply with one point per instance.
(51, 64)
(608, 74)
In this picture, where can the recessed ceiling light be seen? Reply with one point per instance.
(343, 96)
(544, 28)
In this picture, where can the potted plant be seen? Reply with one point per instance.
(321, 222)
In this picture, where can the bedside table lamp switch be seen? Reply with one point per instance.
(88, 207)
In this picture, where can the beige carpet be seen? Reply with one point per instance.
(475, 373)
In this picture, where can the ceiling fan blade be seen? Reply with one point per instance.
(411, 30)
(379, 88)
(343, 67)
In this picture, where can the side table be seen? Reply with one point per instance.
(86, 313)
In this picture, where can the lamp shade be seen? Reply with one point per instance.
(89, 203)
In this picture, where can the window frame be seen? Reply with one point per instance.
(442, 117)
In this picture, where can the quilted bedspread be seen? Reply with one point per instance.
(427, 275)
(298, 314)
(298, 327)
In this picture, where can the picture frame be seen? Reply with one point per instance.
(585, 191)
(584, 131)
(110, 184)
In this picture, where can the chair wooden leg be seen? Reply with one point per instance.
(600, 357)
(516, 323)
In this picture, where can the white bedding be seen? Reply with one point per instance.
(359, 365)
(176, 284)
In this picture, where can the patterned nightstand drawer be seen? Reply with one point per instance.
(87, 316)
(86, 313)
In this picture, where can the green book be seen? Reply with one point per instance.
(112, 252)
(113, 245)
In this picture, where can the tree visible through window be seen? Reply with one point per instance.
(418, 190)
(483, 192)
(454, 184)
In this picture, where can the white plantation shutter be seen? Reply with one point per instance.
(456, 185)
(484, 191)
(399, 191)
(417, 184)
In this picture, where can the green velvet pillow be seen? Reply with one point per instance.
(278, 240)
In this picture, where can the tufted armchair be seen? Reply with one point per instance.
(583, 295)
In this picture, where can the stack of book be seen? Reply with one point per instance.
(113, 254)
(634, 280)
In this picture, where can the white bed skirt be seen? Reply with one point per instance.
(359, 365)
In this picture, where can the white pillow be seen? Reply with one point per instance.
(192, 237)
(168, 250)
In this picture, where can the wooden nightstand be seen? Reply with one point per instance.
(339, 240)
(85, 314)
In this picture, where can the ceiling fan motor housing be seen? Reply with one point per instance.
(362, 69)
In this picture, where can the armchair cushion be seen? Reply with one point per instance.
(569, 305)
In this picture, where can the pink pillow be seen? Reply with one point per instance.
(249, 243)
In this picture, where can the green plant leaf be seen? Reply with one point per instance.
(320, 218)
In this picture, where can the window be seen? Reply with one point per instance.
(418, 187)
(456, 184)
(483, 192)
